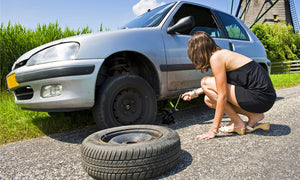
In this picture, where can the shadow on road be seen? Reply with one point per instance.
(279, 98)
(185, 161)
(275, 130)
(191, 116)
(73, 126)
(74, 137)
(184, 118)
(202, 115)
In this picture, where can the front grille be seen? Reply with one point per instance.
(20, 64)
(24, 93)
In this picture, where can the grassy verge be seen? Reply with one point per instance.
(17, 124)
(285, 80)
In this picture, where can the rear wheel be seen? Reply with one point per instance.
(124, 100)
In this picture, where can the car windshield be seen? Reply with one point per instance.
(151, 18)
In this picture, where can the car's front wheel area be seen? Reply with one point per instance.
(124, 100)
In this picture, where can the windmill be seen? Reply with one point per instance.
(270, 11)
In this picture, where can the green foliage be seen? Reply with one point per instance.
(285, 80)
(279, 40)
(16, 40)
(235, 33)
(101, 28)
(18, 125)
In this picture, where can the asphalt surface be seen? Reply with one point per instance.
(273, 154)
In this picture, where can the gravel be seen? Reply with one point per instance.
(273, 154)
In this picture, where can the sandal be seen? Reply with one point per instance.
(225, 129)
(265, 127)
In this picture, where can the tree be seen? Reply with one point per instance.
(279, 40)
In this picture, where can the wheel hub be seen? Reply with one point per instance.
(133, 136)
(127, 106)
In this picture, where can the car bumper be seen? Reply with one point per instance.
(77, 79)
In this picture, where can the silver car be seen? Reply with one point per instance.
(121, 74)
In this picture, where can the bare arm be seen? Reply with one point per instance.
(188, 95)
(217, 63)
(219, 70)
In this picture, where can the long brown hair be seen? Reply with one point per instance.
(200, 48)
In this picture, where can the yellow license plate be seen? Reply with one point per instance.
(11, 81)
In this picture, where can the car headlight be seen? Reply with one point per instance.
(59, 52)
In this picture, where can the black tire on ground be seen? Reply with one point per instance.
(124, 100)
(130, 152)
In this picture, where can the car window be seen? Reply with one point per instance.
(151, 18)
(233, 27)
(204, 20)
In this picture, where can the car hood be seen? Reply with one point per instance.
(103, 44)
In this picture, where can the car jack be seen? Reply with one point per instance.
(167, 112)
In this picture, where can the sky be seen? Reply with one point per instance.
(112, 14)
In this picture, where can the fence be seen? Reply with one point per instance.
(285, 67)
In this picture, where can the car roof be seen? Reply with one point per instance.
(198, 4)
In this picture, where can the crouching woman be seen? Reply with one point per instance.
(238, 86)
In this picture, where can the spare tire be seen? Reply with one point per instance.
(130, 152)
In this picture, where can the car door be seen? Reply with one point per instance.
(239, 39)
(181, 73)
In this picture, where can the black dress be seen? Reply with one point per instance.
(253, 87)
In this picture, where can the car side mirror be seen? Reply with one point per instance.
(182, 25)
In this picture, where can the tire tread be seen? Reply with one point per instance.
(137, 161)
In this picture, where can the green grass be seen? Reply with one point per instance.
(285, 80)
(18, 125)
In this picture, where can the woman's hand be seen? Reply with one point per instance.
(192, 94)
(186, 96)
(209, 135)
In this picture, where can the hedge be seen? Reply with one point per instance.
(279, 40)
(15, 40)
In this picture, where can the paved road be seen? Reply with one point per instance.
(273, 154)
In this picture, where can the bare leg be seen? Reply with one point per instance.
(253, 118)
(209, 87)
